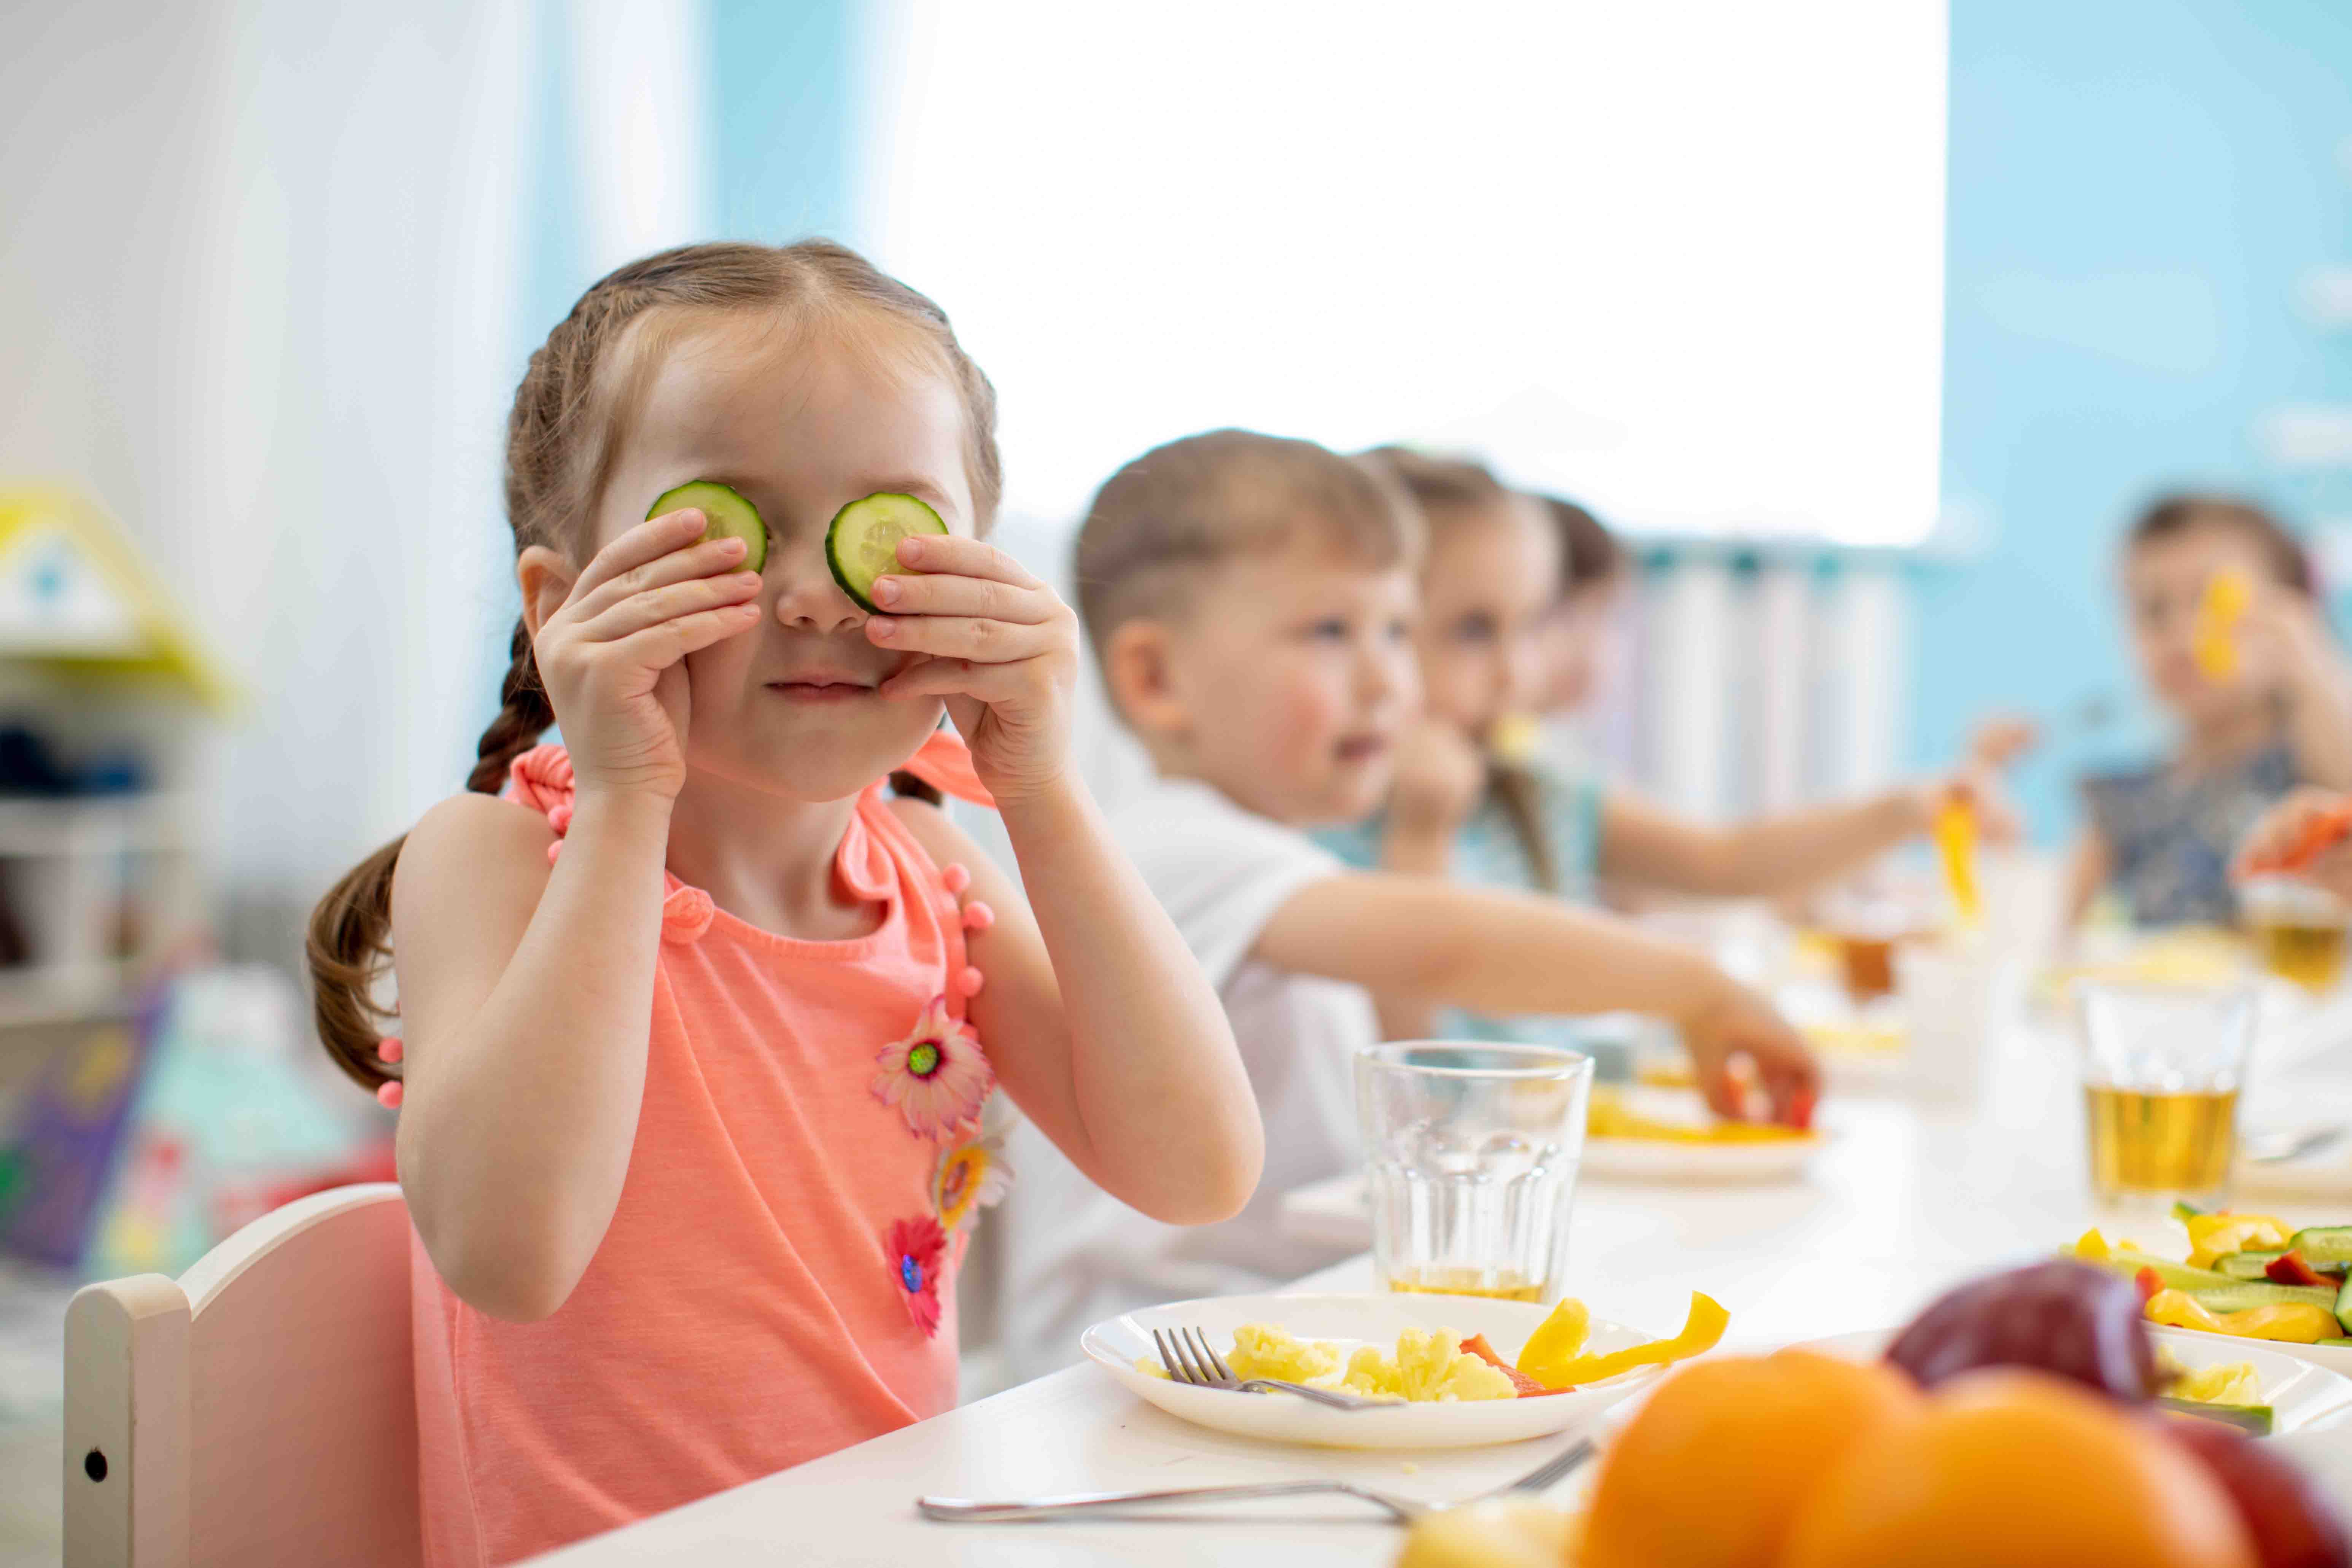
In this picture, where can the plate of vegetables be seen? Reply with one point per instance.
(1452, 1371)
(1652, 1136)
(2248, 1276)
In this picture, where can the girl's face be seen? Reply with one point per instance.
(2164, 585)
(1485, 591)
(801, 423)
(1572, 637)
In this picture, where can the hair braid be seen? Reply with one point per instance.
(523, 717)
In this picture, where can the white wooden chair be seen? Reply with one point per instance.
(257, 1410)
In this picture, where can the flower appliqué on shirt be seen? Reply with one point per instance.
(968, 1178)
(937, 1076)
(916, 1251)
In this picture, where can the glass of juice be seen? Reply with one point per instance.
(2162, 1068)
(1473, 1151)
(2298, 931)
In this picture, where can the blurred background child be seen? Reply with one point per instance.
(2231, 642)
(1468, 802)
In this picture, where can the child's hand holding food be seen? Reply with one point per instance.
(2307, 834)
(1736, 1021)
(1439, 778)
(1003, 652)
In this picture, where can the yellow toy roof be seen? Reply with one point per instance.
(77, 596)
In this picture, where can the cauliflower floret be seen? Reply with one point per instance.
(2225, 1383)
(1428, 1366)
(1263, 1350)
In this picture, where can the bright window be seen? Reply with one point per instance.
(1682, 259)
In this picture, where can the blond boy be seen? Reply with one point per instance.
(1250, 601)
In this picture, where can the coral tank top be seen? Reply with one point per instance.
(777, 1278)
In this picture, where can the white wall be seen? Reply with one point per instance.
(258, 263)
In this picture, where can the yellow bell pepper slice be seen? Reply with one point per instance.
(2213, 635)
(1702, 1332)
(2289, 1322)
(1559, 1337)
(2092, 1246)
(2212, 1237)
(1955, 833)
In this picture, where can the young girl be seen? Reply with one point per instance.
(2230, 638)
(690, 1060)
(1462, 806)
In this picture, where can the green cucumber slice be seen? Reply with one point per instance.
(2255, 1420)
(2249, 1264)
(2344, 1306)
(725, 515)
(863, 542)
(2339, 1343)
(2185, 1211)
(2327, 1247)
(2172, 1275)
(2239, 1294)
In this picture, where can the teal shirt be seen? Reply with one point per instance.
(1486, 854)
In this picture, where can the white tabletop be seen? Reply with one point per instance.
(1905, 1200)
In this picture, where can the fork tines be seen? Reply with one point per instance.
(1189, 1358)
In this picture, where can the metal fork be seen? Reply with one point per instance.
(1193, 1361)
(1402, 1510)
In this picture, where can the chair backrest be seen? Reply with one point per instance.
(259, 1409)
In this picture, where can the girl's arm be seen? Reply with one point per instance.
(1646, 844)
(526, 991)
(524, 997)
(1521, 952)
(1099, 1023)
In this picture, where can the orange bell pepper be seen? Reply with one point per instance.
(1702, 1332)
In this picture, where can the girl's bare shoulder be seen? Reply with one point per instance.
(472, 845)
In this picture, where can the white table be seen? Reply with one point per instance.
(1905, 1201)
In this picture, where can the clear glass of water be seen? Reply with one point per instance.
(1473, 1150)
(2162, 1068)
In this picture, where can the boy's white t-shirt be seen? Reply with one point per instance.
(1073, 1254)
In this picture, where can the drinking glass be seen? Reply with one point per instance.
(2162, 1067)
(2298, 931)
(1474, 1149)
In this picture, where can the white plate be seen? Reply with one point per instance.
(1670, 1159)
(1350, 1321)
(2305, 1397)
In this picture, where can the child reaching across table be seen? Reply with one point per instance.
(2230, 638)
(1464, 805)
(692, 1019)
(1250, 604)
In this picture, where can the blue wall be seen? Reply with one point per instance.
(784, 74)
(2136, 187)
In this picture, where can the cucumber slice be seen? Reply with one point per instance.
(2184, 1211)
(2249, 1264)
(2344, 1306)
(2339, 1343)
(2172, 1275)
(2327, 1247)
(2239, 1294)
(863, 542)
(2255, 1420)
(725, 514)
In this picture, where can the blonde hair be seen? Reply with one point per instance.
(569, 421)
(1161, 524)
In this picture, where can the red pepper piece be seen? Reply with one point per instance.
(1801, 1109)
(1527, 1387)
(2149, 1283)
(2289, 1268)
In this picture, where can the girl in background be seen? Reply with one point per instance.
(691, 1055)
(1595, 574)
(2230, 638)
(1465, 807)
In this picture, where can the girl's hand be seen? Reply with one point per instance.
(2307, 834)
(1439, 778)
(613, 654)
(1739, 1022)
(1003, 652)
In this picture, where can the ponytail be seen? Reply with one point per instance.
(350, 930)
(1519, 793)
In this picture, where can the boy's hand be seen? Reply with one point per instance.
(1739, 1022)
(613, 654)
(1003, 652)
(1439, 778)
